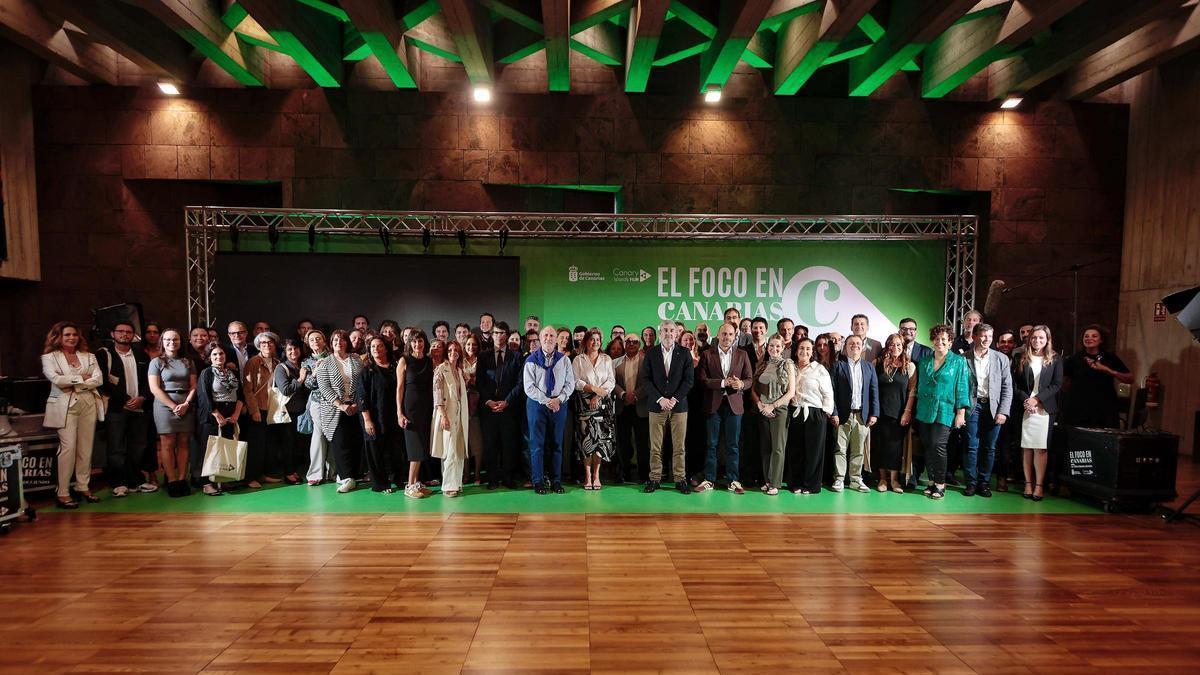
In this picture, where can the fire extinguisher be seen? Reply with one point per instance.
(1153, 386)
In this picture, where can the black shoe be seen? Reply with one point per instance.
(492, 485)
(540, 488)
(969, 491)
(683, 487)
(985, 491)
(557, 488)
(951, 481)
(651, 486)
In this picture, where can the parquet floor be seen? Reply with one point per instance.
(603, 592)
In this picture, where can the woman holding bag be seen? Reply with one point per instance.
(219, 402)
(451, 419)
(73, 407)
(291, 399)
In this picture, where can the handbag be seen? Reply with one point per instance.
(225, 458)
(277, 407)
(304, 422)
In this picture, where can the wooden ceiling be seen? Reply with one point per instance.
(1070, 49)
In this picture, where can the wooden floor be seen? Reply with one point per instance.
(690, 593)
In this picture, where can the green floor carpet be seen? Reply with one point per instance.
(612, 499)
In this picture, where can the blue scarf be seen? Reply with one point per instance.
(538, 357)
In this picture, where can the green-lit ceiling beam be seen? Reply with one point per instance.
(197, 22)
(844, 53)
(431, 35)
(434, 49)
(912, 24)
(737, 24)
(354, 47)
(471, 28)
(556, 25)
(417, 11)
(808, 41)
(782, 11)
(760, 52)
(510, 12)
(968, 47)
(330, 9)
(875, 31)
(679, 41)
(693, 18)
(311, 37)
(588, 13)
(646, 20)
(383, 35)
(512, 42)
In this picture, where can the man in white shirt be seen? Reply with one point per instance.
(239, 345)
(991, 394)
(666, 377)
(633, 418)
(725, 375)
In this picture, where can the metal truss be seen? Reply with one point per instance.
(205, 225)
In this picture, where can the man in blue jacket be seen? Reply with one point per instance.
(856, 403)
(549, 382)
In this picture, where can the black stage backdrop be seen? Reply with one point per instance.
(330, 288)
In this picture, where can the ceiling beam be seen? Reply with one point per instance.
(912, 24)
(432, 35)
(782, 11)
(1096, 25)
(968, 47)
(602, 42)
(520, 12)
(198, 23)
(383, 33)
(132, 33)
(22, 22)
(310, 36)
(646, 21)
(556, 25)
(1148, 47)
(807, 40)
(588, 13)
(472, 32)
(738, 22)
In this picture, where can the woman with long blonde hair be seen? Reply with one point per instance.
(1037, 377)
(73, 407)
(451, 419)
(887, 448)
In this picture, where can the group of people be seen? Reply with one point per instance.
(741, 407)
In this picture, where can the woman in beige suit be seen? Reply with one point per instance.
(73, 407)
(451, 419)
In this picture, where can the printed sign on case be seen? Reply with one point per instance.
(817, 284)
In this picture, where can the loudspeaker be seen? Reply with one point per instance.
(105, 318)
(1120, 467)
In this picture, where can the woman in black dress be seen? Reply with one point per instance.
(1089, 378)
(381, 435)
(887, 447)
(414, 404)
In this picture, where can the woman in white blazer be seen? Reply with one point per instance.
(73, 407)
(451, 419)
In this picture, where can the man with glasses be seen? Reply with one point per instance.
(498, 378)
(129, 399)
(915, 350)
(618, 333)
(238, 350)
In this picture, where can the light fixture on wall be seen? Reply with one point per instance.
(482, 93)
(1011, 102)
(168, 88)
(712, 95)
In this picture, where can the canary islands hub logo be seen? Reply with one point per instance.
(619, 275)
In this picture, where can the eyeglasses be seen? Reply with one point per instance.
(237, 332)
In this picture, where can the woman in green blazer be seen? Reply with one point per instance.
(940, 392)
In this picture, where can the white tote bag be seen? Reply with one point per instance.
(277, 407)
(225, 458)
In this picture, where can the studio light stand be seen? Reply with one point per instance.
(1074, 270)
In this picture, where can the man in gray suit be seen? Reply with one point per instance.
(871, 348)
(991, 393)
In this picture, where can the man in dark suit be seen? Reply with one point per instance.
(754, 461)
(129, 399)
(725, 374)
(484, 331)
(666, 377)
(498, 379)
(871, 348)
(856, 403)
(915, 350)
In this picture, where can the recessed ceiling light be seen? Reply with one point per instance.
(168, 88)
(712, 95)
(1011, 102)
(483, 94)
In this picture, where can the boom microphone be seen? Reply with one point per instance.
(995, 291)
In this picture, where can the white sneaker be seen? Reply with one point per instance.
(861, 487)
(147, 487)
(414, 490)
(120, 491)
(838, 485)
(346, 486)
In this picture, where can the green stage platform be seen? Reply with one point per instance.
(612, 499)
